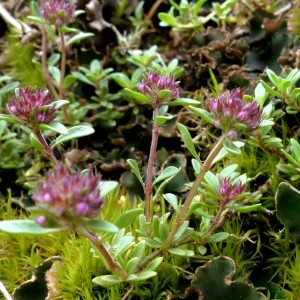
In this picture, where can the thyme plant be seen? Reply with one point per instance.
(146, 247)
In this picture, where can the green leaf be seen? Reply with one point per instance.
(36, 19)
(168, 19)
(8, 119)
(100, 225)
(160, 120)
(164, 94)
(245, 208)
(82, 78)
(69, 80)
(59, 103)
(55, 126)
(107, 186)
(132, 265)
(123, 244)
(213, 281)
(231, 147)
(145, 275)
(139, 250)
(287, 200)
(166, 173)
(218, 237)
(180, 232)
(203, 114)
(273, 77)
(295, 149)
(153, 264)
(9, 87)
(73, 133)
(172, 200)
(78, 37)
(183, 101)
(122, 80)
(55, 73)
(135, 169)
(107, 280)
(181, 252)
(53, 59)
(25, 227)
(163, 231)
(188, 141)
(141, 98)
(35, 142)
(127, 217)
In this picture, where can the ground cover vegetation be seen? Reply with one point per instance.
(149, 149)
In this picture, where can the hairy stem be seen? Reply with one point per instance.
(148, 184)
(47, 150)
(63, 62)
(47, 76)
(185, 207)
(111, 264)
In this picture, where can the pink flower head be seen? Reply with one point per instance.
(68, 197)
(154, 83)
(30, 108)
(229, 191)
(58, 12)
(230, 111)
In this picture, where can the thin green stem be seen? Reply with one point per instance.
(148, 184)
(47, 150)
(111, 264)
(187, 203)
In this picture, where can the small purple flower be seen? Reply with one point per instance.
(58, 12)
(30, 108)
(154, 83)
(68, 197)
(229, 191)
(230, 111)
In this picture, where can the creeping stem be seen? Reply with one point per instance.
(187, 203)
(148, 184)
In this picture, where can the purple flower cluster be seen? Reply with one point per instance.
(229, 191)
(154, 83)
(58, 12)
(30, 108)
(230, 110)
(68, 197)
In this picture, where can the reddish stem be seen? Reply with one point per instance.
(148, 184)
(47, 150)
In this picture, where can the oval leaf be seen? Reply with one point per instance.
(166, 173)
(127, 217)
(78, 37)
(25, 227)
(73, 133)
